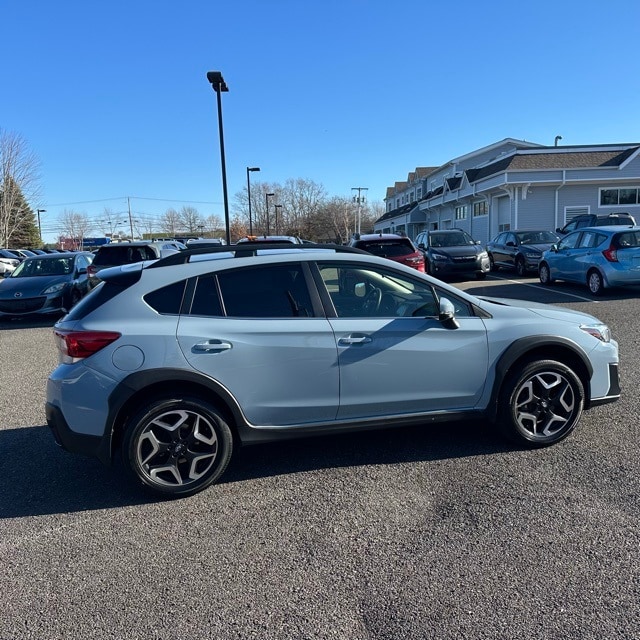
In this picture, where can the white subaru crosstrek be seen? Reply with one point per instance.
(177, 361)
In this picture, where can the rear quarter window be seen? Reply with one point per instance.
(167, 300)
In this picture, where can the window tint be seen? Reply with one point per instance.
(167, 300)
(387, 248)
(374, 292)
(206, 301)
(278, 291)
(628, 239)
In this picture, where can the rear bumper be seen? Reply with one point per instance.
(69, 440)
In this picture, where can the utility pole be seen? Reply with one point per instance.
(359, 199)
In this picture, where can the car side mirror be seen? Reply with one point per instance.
(511, 243)
(554, 248)
(447, 314)
(82, 270)
(421, 245)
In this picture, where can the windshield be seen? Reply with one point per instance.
(456, 239)
(34, 267)
(387, 248)
(537, 237)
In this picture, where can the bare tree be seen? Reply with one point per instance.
(19, 183)
(214, 226)
(191, 220)
(75, 227)
(170, 222)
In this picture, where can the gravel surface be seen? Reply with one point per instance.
(433, 532)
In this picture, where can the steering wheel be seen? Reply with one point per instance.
(371, 303)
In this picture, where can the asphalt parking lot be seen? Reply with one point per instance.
(429, 532)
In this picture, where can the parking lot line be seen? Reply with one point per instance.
(543, 288)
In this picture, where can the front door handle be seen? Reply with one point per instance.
(211, 345)
(355, 340)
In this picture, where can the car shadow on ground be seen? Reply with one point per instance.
(39, 478)
(28, 322)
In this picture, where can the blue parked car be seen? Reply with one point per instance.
(599, 257)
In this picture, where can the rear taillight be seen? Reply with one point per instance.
(76, 345)
(417, 262)
(610, 254)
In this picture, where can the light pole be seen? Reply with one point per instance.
(359, 199)
(276, 207)
(266, 197)
(219, 85)
(249, 169)
(39, 211)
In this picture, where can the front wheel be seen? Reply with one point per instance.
(177, 447)
(544, 273)
(540, 403)
(521, 269)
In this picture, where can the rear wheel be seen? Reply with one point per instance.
(540, 403)
(177, 447)
(595, 282)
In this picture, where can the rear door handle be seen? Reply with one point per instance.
(211, 345)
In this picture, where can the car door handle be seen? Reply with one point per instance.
(212, 345)
(355, 340)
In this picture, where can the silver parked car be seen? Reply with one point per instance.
(175, 363)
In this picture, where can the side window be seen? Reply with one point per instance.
(363, 291)
(570, 241)
(277, 291)
(167, 300)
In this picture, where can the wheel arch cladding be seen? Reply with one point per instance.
(145, 386)
(528, 350)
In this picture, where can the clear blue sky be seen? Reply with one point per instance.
(113, 98)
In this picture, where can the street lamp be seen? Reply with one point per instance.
(276, 207)
(267, 196)
(39, 211)
(219, 85)
(249, 169)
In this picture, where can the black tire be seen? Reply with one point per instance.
(177, 447)
(540, 403)
(544, 273)
(480, 275)
(521, 269)
(595, 282)
(492, 264)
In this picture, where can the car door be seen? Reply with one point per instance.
(254, 330)
(395, 356)
(563, 264)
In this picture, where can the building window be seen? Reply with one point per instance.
(412, 196)
(461, 212)
(419, 193)
(504, 227)
(615, 197)
(480, 209)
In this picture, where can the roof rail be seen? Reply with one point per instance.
(248, 249)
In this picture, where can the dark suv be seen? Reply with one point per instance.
(592, 220)
(116, 254)
(452, 252)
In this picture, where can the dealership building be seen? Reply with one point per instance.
(515, 184)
